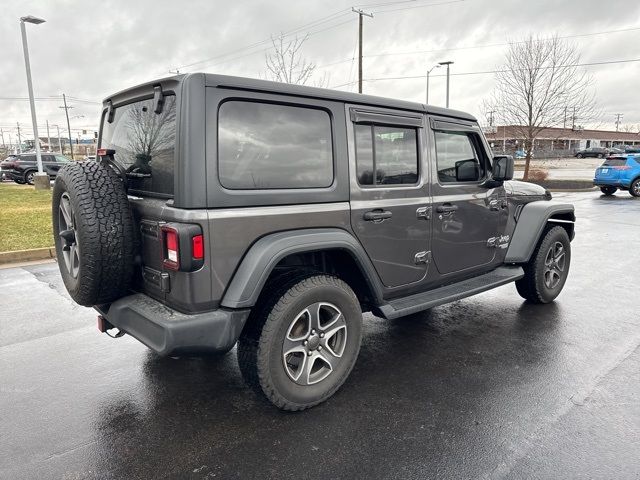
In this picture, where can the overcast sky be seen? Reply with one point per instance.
(90, 49)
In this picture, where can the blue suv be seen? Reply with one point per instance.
(619, 172)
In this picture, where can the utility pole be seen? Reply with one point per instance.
(360, 13)
(59, 140)
(2, 133)
(618, 118)
(66, 111)
(573, 119)
(448, 64)
(491, 117)
(19, 139)
(48, 137)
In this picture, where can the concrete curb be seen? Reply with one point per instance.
(27, 255)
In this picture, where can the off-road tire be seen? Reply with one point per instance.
(260, 344)
(608, 190)
(532, 286)
(104, 231)
(634, 188)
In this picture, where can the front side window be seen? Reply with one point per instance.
(457, 158)
(62, 159)
(144, 142)
(386, 155)
(271, 146)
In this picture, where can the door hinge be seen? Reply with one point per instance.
(422, 257)
(424, 213)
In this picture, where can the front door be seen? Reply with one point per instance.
(389, 192)
(469, 219)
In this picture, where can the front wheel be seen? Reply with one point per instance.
(579, 155)
(608, 190)
(634, 188)
(547, 271)
(301, 343)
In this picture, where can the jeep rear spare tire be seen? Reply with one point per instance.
(93, 233)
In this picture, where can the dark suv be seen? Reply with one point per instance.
(22, 168)
(595, 152)
(224, 210)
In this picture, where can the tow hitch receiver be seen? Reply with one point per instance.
(104, 326)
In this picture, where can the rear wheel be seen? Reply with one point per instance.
(546, 272)
(634, 188)
(600, 155)
(579, 155)
(29, 177)
(608, 190)
(301, 343)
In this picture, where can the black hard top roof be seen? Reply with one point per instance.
(252, 84)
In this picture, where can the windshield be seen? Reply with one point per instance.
(144, 142)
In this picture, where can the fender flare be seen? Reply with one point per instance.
(531, 223)
(264, 255)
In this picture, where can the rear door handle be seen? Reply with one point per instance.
(446, 208)
(377, 215)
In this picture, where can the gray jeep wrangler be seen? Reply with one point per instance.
(225, 210)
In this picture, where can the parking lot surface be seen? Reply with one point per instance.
(487, 387)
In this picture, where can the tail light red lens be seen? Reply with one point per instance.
(624, 167)
(197, 247)
(171, 248)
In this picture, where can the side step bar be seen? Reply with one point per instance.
(450, 293)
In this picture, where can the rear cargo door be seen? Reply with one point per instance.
(609, 171)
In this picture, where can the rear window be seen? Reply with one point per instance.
(271, 146)
(144, 142)
(615, 162)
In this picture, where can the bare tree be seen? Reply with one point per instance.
(285, 64)
(541, 85)
(628, 128)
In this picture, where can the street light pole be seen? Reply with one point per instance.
(41, 179)
(437, 65)
(447, 63)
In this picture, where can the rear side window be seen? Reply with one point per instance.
(386, 155)
(457, 158)
(271, 146)
(144, 142)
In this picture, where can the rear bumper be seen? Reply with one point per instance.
(167, 331)
(611, 183)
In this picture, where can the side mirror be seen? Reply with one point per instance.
(502, 168)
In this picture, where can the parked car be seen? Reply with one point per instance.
(522, 154)
(619, 172)
(284, 216)
(632, 149)
(616, 150)
(595, 152)
(21, 168)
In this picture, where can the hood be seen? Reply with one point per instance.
(516, 187)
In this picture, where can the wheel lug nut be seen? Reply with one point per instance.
(305, 343)
(313, 332)
(309, 353)
(319, 347)
(322, 335)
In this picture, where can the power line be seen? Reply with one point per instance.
(409, 77)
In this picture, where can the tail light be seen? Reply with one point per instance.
(197, 247)
(624, 167)
(182, 247)
(171, 247)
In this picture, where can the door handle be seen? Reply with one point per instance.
(446, 208)
(377, 215)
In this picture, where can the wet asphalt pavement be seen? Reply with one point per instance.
(487, 387)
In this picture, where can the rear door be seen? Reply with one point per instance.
(390, 192)
(469, 219)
